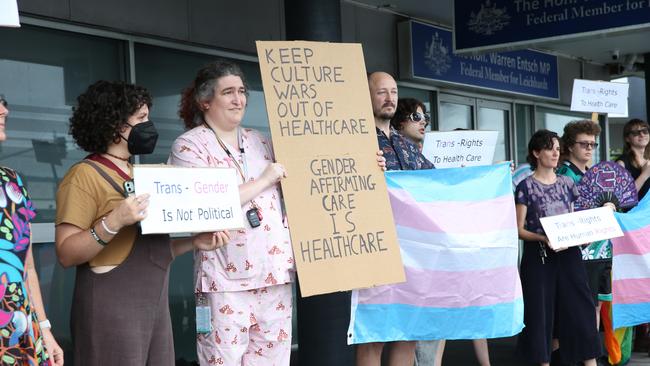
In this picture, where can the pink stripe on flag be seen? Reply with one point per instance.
(427, 288)
(451, 216)
(634, 242)
(631, 291)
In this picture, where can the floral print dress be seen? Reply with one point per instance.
(21, 342)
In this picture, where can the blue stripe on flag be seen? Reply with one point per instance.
(383, 323)
(454, 184)
(627, 315)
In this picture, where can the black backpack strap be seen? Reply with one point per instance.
(104, 175)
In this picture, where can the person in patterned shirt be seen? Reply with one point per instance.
(25, 332)
(401, 154)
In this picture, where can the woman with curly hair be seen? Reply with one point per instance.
(120, 313)
(554, 282)
(25, 334)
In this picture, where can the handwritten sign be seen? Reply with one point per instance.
(455, 149)
(581, 227)
(599, 96)
(188, 200)
(9, 13)
(323, 132)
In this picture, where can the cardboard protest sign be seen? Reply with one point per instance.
(323, 131)
(581, 227)
(455, 149)
(188, 200)
(9, 13)
(599, 96)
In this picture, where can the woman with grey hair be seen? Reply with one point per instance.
(243, 290)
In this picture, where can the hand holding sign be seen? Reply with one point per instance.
(131, 210)
(273, 173)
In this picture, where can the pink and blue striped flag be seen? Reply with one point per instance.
(631, 267)
(457, 233)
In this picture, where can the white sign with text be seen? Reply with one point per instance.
(581, 227)
(455, 149)
(9, 13)
(599, 96)
(188, 200)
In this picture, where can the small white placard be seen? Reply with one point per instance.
(581, 227)
(188, 200)
(599, 96)
(454, 149)
(9, 13)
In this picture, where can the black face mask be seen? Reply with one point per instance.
(142, 139)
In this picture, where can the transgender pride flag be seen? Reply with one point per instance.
(631, 267)
(458, 238)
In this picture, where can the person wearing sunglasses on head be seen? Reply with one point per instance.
(635, 155)
(411, 120)
(25, 334)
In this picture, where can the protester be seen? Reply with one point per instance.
(120, 310)
(578, 145)
(246, 284)
(400, 154)
(26, 334)
(635, 158)
(636, 154)
(411, 120)
(554, 283)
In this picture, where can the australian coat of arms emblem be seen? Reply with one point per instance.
(489, 19)
(436, 55)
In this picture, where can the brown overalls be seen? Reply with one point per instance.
(121, 317)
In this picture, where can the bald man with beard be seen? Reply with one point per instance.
(401, 154)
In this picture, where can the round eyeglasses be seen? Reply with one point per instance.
(587, 144)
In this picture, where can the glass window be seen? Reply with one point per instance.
(495, 119)
(454, 116)
(166, 72)
(42, 71)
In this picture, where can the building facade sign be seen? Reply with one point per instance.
(499, 24)
(432, 58)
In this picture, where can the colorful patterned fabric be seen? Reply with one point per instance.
(248, 328)
(545, 199)
(460, 260)
(400, 153)
(254, 257)
(20, 339)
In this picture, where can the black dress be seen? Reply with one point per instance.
(635, 172)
